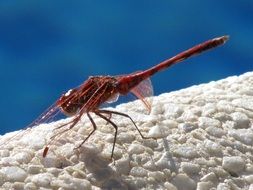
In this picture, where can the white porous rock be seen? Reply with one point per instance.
(13, 173)
(233, 164)
(198, 138)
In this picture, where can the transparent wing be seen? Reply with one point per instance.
(113, 98)
(47, 116)
(143, 90)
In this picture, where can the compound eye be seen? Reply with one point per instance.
(68, 104)
(63, 98)
(68, 93)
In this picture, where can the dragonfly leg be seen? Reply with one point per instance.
(94, 129)
(125, 115)
(74, 122)
(109, 117)
(98, 113)
(63, 125)
(53, 138)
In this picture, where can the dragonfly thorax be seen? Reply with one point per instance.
(89, 96)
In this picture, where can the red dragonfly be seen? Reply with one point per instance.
(89, 96)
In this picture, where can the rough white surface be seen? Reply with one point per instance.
(204, 140)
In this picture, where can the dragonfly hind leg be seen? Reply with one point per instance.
(98, 113)
(127, 116)
(108, 120)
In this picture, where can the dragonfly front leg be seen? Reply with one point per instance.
(53, 138)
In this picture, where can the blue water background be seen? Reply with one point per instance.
(48, 47)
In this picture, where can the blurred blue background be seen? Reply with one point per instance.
(48, 47)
